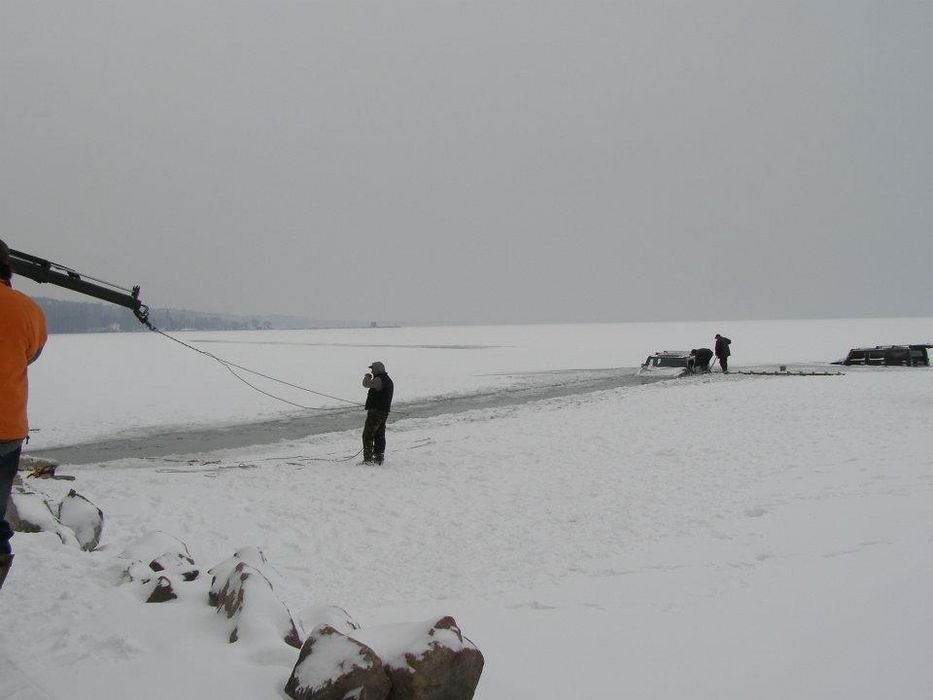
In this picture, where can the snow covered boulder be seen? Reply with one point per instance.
(163, 591)
(83, 517)
(247, 598)
(30, 512)
(158, 563)
(221, 572)
(137, 572)
(27, 511)
(331, 615)
(332, 666)
(176, 563)
(430, 660)
(154, 545)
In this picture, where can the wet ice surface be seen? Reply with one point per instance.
(112, 388)
(522, 389)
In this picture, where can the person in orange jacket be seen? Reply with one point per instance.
(22, 337)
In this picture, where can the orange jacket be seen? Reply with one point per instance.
(22, 336)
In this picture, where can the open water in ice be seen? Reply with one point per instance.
(162, 443)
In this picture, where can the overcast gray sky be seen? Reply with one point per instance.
(468, 162)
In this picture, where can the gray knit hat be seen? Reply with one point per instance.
(378, 368)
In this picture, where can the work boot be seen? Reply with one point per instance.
(6, 561)
(379, 459)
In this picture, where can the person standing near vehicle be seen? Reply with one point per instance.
(378, 404)
(723, 352)
(22, 337)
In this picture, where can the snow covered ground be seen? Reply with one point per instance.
(715, 537)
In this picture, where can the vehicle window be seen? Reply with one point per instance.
(673, 362)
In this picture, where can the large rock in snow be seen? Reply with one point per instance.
(28, 511)
(332, 666)
(331, 615)
(84, 518)
(178, 564)
(163, 591)
(221, 572)
(248, 600)
(161, 552)
(138, 572)
(159, 564)
(430, 660)
(153, 545)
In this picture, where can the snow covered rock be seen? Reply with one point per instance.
(137, 572)
(83, 517)
(331, 615)
(160, 552)
(332, 666)
(28, 511)
(151, 587)
(163, 591)
(221, 572)
(176, 563)
(154, 545)
(247, 598)
(430, 660)
(159, 563)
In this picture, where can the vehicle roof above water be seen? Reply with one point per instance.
(671, 353)
(888, 355)
(912, 346)
(667, 359)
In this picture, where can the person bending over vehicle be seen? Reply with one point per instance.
(701, 359)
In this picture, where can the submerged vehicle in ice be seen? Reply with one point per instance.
(889, 355)
(668, 363)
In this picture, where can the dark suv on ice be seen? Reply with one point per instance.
(889, 355)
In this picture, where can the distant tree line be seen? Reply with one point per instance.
(89, 317)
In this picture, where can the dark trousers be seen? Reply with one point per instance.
(374, 435)
(724, 363)
(9, 463)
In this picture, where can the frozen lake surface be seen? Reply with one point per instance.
(109, 389)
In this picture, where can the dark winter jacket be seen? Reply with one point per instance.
(379, 397)
(722, 346)
(703, 356)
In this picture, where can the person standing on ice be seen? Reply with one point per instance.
(723, 352)
(22, 337)
(378, 405)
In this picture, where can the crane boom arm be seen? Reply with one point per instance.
(42, 271)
